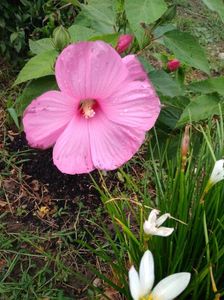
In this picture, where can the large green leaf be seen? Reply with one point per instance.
(200, 108)
(217, 6)
(207, 86)
(38, 66)
(171, 111)
(161, 30)
(187, 49)
(168, 118)
(143, 11)
(81, 33)
(41, 45)
(108, 38)
(164, 84)
(34, 89)
(82, 20)
(101, 14)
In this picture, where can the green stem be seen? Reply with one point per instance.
(214, 288)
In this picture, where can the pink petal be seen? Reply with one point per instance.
(89, 70)
(136, 71)
(71, 152)
(134, 104)
(112, 144)
(46, 117)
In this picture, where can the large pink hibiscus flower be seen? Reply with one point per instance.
(99, 117)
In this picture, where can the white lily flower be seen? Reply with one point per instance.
(153, 225)
(217, 172)
(141, 283)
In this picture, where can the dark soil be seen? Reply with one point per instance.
(62, 186)
(48, 187)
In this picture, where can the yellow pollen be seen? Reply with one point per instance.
(86, 107)
(149, 297)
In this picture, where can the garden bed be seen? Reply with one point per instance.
(67, 237)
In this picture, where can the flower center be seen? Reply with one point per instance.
(86, 108)
(148, 297)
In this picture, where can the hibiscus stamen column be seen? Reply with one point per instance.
(86, 107)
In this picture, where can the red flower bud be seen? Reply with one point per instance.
(173, 65)
(124, 42)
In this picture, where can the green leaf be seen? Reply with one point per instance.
(101, 14)
(108, 38)
(171, 112)
(14, 116)
(143, 11)
(146, 65)
(200, 108)
(168, 118)
(34, 89)
(81, 33)
(161, 30)
(73, 2)
(14, 36)
(179, 102)
(127, 231)
(38, 66)
(164, 84)
(207, 86)
(217, 6)
(41, 45)
(187, 49)
(82, 20)
(2, 23)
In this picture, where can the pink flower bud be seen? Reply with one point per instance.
(173, 65)
(124, 42)
(185, 146)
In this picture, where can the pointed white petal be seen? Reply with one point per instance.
(153, 216)
(171, 286)
(162, 219)
(134, 283)
(152, 230)
(149, 228)
(164, 231)
(146, 273)
(218, 172)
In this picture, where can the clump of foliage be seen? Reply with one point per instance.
(23, 19)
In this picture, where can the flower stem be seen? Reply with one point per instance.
(214, 288)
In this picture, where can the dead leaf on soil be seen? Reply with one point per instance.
(3, 203)
(9, 185)
(111, 294)
(35, 185)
